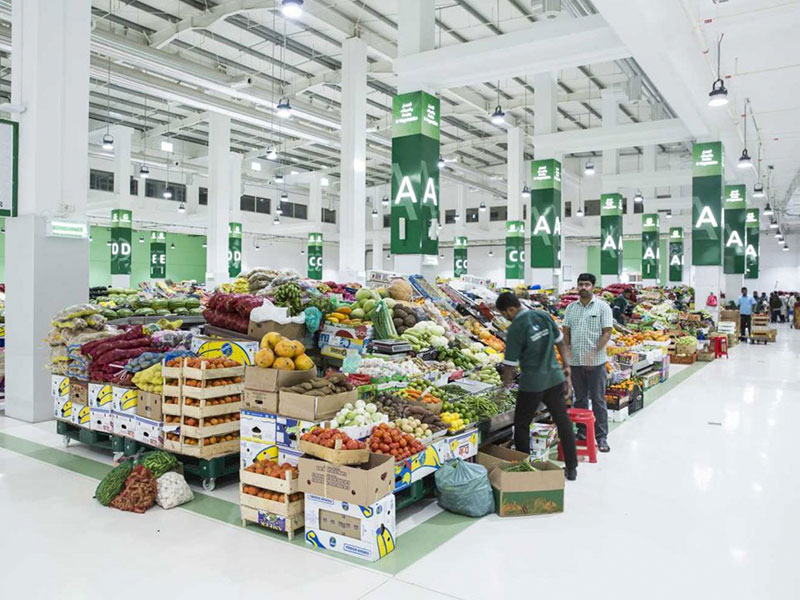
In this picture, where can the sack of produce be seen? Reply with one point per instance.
(158, 462)
(173, 490)
(111, 485)
(138, 493)
(463, 488)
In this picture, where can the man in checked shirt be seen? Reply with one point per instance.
(587, 329)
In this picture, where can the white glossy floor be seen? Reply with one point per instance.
(698, 499)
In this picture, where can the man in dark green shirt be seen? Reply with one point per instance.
(620, 306)
(529, 346)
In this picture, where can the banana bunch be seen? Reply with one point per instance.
(289, 295)
(241, 286)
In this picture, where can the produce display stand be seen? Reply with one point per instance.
(95, 439)
(188, 320)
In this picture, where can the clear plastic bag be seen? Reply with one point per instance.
(463, 488)
(173, 490)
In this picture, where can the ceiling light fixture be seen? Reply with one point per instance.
(181, 208)
(258, 246)
(718, 96)
(385, 201)
(588, 169)
(284, 108)
(272, 154)
(172, 246)
(141, 239)
(482, 207)
(205, 244)
(773, 224)
(324, 182)
(144, 172)
(669, 214)
(491, 252)
(745, 162)
(388, 256)
(456, 217)
(108, 142)
(277, 219)
(580, 212)
(498, 116)
(108, 139)
(638, 198)
(768, 210)
(255, 165)
(284, 196)
(758, 191)
(778, 233)
(167, 146)
(167, 194)
(374, 213)
(441, 161)
(292, 9)
(526, 192)
(278, 177)
(786, 247)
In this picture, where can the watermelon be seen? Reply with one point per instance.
(196, 311)
(109, 314)
(181, 311)
(176, 303)
(162, 312)
(144, 312)
(158, 303)
(192, 302)
(124, 313)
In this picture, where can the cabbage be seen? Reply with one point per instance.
(439, 341)
(437, 330)
(371, 408)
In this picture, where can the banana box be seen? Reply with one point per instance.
(63, 408)
(150, 432)
(124, 400)
(257, 426)
(59, 386)
(101, 419)
(366, 532)
(252, 450)
(242, 351)
(289, 430)
(100, 395)
(289, 456)
(464, 445)
(81, 415)
(124, 424)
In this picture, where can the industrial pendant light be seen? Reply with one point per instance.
(141, 239)
(786, 247)
(773, 224)
(778, 234)
(638, 198)
(284, 108)
(491, 252)
(456, 217)
(277, 219)
(588, 169)
(745, 162)
(172, 246)
(181, 208)
(167, 195)
(482, 207)
(278, 177)
(108, 142)
(205, 244)
(768, 210)
(258, 246)
(108, 139)
(385, 201)
(144, 172)
(669, 214)
(302, 251)
(440, 163)
(284, 196)
(579, 213)
(758, 191)
(498, 116)
(374, 213)
(718, 96)
(526, 192)
(292, 9)
(272, 154)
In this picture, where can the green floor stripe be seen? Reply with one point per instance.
(411, 546)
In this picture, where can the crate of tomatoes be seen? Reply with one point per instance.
(333, 446)
(389, 439)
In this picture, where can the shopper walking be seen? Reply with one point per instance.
(587, 328)
(529, 346)
(620, 306)
(784, 307)
(774, 307)
(746, 305)
(790, 302)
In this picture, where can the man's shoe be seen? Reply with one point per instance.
(603, 446)
(570, 474)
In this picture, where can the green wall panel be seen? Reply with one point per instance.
(592, 261)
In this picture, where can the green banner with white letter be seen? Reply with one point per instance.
(650, 246)
(676, 254)
(460, 256)
(515, 249)
(734, 219)
(415, 174)
(234, 249)
(752, 251)
(121, 223)
(610, 234)
(158, 255)
(315, 256)
(707, 172)
(546, 214)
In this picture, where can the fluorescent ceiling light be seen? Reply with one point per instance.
(166, 146)
(292, 9)
(255, 165)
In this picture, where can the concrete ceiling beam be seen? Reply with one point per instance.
(667, 131)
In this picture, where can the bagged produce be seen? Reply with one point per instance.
(463, 488)
(158, 462)
(139, 492)
(112, 483)
(173, 490)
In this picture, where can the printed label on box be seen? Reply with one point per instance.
(251, 451)
(81, 414)
(288, 430)
(62, 408)
(101, 419)
(124, 424)
(124, 400)
(148, 431)
(101, 395)
(59, 386)
(257, 426)
(287, 455)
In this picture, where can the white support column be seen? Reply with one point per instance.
(353, 197)
(315, 200)
(235, 210)
(416, 24)
(219, 195)
(610, 112)
(461, 203)
(50, 78)
(514, 173)
(122, 165)
(377, 252)
(192, 195)
(649, 166)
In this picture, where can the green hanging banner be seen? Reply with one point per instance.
(707, 172)
(752, 251)
(415, 174)
(546, 214)
(734, 219)
(610, 234)
(158, 255)
(121, 223)
(315, 256)
(460, 256)
(651, 252)
(515, 249)
(234, 249)
(676, 254)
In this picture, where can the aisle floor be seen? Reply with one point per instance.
(697, 499)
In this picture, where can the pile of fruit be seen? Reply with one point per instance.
(357, 415)
(487, 374)
(215, 439)
(198, 383)
(208, 363)
(388, 439)
(484, 335)
(453, 421)
(415, 427)
(289, 295)
(278, 352)
(271, 468)
(335, 383)
(327, 437)
(461, 360)
(252, 490)
(193, 422)
(420, 390)
(209, 401)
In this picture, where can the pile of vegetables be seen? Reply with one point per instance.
(110, 355)
(290, 295)
(389, 439)
(131, 486)
(403, 317)
(150, 379)
(686, 345)
(425, 334)
(487, 374)
(231, 311)
(328, 437)
(379, 368)
(357, 415)
(335, 383)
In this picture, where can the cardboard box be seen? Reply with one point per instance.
(618, 416)
(79, 392)
(100, 395)
(101, 419)
(59, 386)
(257, 426)
(526, 493)
(366, 532)
(124, 424)
(289, 430)
(272, 380)
(313, 408)
(293, 331)
(252, 450)
(290, 456)
(242, 351)
(62, 409)
(80, 415)
(338, 455)
(149, 406)
(358, 484)
(337, 353)
(124, 400)
(258, 401)
(543, 439)
(463, 445)
(149, 431)
(327, 339)
(353, 332)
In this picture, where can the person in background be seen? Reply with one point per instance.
(764, 303)
(774, 307)
(587, 329)
(784, 307)
(790, 302)
(746, 305)
(529, 346)
(757, 302)
(620, 306)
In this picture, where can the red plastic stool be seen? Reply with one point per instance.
(582, 416)
(720, 347)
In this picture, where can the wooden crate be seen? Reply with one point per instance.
(205, 450)
(284, 486)
(333, 455)
(205, 410)
(204, 373)
(284, 509)
(171, 372)
(205, 393)
(272, 521)
(207, 430)
(684, 359)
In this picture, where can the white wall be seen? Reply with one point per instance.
(778, 270)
